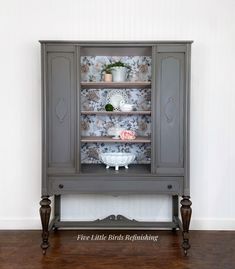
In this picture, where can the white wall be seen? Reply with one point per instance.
(211, 24)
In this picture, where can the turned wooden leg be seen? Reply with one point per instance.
(45, 211)
(186, 212)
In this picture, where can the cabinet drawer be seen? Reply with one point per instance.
(147, 186)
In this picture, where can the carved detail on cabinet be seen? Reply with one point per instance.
(170, 109)
(116, 218)
(61, 110)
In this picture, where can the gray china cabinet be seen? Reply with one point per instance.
(75, 128)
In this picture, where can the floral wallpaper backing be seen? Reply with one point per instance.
(91, 67)
(95, 100)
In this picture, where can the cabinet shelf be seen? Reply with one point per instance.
(99, 169)
(108, 139)
(140, 112)
(115, 85)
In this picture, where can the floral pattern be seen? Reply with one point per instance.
(96, 99)
(97, 125)
(91, 67)
(90, 151)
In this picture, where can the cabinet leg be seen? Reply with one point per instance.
(45, 211)
(186, 212)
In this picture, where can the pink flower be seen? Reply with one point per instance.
(127, 135)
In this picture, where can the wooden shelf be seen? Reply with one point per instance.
(115, 85)
(147, 112)
(108, 139)
(99, 169)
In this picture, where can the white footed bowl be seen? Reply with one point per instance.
(117, 159)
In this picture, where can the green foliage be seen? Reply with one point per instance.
(109, 107)
(108, 67)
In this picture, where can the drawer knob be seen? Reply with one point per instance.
(169, 187)
(61, 186)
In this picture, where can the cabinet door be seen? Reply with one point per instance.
(61, 111)
(170, 87)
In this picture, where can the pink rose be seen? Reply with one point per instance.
(127, 135)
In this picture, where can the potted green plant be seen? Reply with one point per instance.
(119, 71)
(107, 73)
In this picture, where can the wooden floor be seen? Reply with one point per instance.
(20, 249)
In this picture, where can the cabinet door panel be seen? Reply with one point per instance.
(61, 113)
(170, 109)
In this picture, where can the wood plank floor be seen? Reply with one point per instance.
(209, 249)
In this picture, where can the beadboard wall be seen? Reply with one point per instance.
(211, 24)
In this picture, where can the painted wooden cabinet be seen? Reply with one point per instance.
(73, 102)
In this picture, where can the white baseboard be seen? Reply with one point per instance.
(196, 224)
(20, 224)
(213, 224)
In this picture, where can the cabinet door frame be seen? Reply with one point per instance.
(47, 51)
(174, 171)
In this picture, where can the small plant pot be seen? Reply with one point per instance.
(108, 77)
(119, 74)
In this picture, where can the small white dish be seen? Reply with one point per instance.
(116, 137)
(125, 107)
(115, 131)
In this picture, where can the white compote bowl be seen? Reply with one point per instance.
(117, 159)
